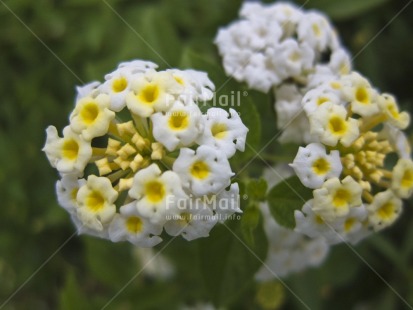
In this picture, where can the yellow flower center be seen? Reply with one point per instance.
(219, 130)
(341, 198)
(349, 223)
(149, 94)
(199, 170)
(319, 220)
(393, 111)
(362, 95)
(386, 212)
(179, 80)
(179, 120)
(316, 30)
(155, 191)
(70, 149)
(186, 217)
(119, 85)
(95, 201)
(407, 179)
(89, 113)
(321, 100)
(337, 125)
(134, 224)
(73, 194)
(321, 166)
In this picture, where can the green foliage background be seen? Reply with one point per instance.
(47, 47)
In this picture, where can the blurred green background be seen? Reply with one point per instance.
(47, 47)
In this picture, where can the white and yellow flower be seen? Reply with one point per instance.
(66, 190)
(224, 131)
(390, 108)
(152, 92)
(91, 116)
(96, 202)
(334, 199)
(315, 30)
(331, 125)
(180, 126)
(130, 225)
(69, 154)
(204, 171)
(361, 95)
(384, 210)
(317, 97)
(156, 193)
(402, 178)
(197, 86)
(194, 220)
(117, 86)
(313, 165)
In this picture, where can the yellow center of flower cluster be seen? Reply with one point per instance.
(128, 150)
(364, 160)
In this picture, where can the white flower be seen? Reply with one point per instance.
(315, 30)
(316, 97)
(95, 202)
(292, 58)
(334, 199)
(67, 189)
(130, 225)
(224, 131)
(330, 124)
(313, 225)
(90, 89)
(137, 66)
(360, 94)
(389, 107)
(353, 228)
(340, 61)
(157, 193)
(197, 85)
(402, 180)
(204, 171)
(289, 251)
(194, 220)
(313, 165)
(154, 264)
(117, 86)
(91, 116)
(81, 229)
(384, 210)
(180, 126)
(225, 203)
(397, 139)
(69, 154)
(152, 92)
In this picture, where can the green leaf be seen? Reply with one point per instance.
(338, 9)
(285, 198)
(257, 189)
(228, 264)
(249, 222)
(71, 296)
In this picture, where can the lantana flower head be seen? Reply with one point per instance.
(138, 148)
(360, 190)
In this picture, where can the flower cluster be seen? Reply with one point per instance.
(274, 43)
(289, 251)
(358, 163)
(139, 157)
